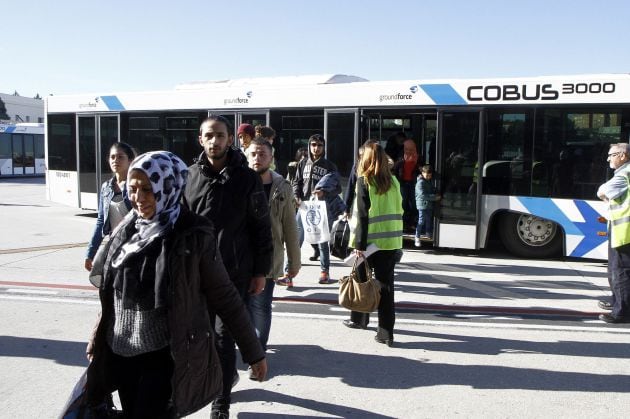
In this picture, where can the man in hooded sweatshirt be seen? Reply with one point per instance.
(309, 172)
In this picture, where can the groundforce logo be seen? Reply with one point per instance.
(396, 96)
(235, 100)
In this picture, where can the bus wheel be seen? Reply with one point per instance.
(529, 236)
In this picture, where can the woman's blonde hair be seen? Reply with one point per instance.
(374, 167)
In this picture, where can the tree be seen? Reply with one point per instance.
(3, 110)
(15, 93)
(37, 96)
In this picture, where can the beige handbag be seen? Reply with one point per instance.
(358, 296)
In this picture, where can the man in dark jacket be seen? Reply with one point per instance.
(223, 188)
(309, 172)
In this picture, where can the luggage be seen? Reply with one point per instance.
(340, 238)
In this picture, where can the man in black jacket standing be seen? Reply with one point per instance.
(223, 188)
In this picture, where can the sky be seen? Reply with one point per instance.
(94, 46)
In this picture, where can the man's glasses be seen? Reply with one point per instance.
(317, 145)
(615, 154)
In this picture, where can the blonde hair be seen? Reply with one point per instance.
(374, 168)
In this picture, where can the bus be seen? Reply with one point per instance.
(22, 150)
(518, 160)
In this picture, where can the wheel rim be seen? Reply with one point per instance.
(535, 231)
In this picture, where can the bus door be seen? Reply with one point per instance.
(95, 136)
(458, 175)
(341, 131)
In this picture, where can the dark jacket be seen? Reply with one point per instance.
(425, 193)
(331, 185)
(198, 285)
(310, 172)
(103, 227)
(235, 201)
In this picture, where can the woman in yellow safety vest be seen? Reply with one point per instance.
(377, 219)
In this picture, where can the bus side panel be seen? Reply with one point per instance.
(40, 166)
(63, 187)
(578, 219)
(6, 167)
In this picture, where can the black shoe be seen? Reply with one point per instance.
(314, 257)
(220, 414)
(612, 319)
(353, 325)
(388, 342)
(604, 305)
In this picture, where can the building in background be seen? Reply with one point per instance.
(16, 109)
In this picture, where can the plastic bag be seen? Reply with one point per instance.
(315, 221)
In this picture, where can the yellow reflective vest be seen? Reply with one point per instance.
(620, 216)
(385, 225)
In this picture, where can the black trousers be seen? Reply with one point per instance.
(226, 349)
(619, 267)
(144, 384)
(383, 263)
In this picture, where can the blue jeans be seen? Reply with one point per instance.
(425, 222)
(259, 307)
(324, 249)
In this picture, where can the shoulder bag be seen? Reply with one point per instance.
(359, 296)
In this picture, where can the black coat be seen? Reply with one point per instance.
(235, 201)
(198, 286)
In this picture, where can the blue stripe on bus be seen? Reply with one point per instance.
(443, 94)
(589, 228)
(112, 103)
(9, 130)
(546, 208)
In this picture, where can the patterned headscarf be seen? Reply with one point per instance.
(167, 174)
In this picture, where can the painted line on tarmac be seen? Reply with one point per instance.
(481, 325)
(27, 291)
(500, 310)
(41, 248)
(50, 299)
(45, 285)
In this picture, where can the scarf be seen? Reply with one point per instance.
(138, 247)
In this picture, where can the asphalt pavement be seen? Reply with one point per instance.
(478, 334)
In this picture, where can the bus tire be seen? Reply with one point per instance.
(527, 236)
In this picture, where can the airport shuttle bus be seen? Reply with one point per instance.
(22, 150)
(516, 159)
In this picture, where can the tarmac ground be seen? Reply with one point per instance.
(478, 333)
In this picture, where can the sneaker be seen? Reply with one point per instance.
(324, 278)
(417, 242)
(286, 281)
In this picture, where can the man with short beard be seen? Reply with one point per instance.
(283, 232)
(222, 188)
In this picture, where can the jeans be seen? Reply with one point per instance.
(425, 222)
(324, 249)
(259, 307)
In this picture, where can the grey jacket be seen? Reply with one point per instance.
(283, 226)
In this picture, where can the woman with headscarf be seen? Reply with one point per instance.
(377, 219)
(162, 277)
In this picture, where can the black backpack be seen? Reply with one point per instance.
(340, 238)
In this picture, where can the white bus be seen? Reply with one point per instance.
(517, 159)
(22, 150)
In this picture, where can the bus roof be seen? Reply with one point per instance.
(339, 91)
